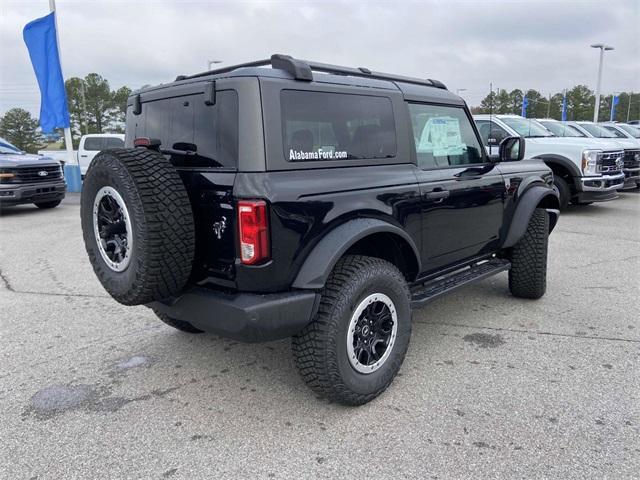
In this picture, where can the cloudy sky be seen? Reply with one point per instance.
(466, 44)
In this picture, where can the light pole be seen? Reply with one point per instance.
(602, 48)
(211, 62)
(460, 90)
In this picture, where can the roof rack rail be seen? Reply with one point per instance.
(303, 70)
(230, 68)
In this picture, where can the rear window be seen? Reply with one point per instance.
(102, 143)
(193, 133)
(336, 126)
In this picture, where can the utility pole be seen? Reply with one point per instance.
(602, 48)
(84, 108)
(629, 106)
(549, 107)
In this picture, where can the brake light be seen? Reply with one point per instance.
(254, 231)
(152, 143)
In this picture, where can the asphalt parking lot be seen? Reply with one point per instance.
(492, 387)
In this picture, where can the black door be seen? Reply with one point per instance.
(462, 193)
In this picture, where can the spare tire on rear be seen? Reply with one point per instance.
(137, 225)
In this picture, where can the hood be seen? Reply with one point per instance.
(25, 159)
(629, 143)
(584, 142)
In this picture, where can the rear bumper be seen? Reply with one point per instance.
(601, 188)
(246, 317)
(16, 194)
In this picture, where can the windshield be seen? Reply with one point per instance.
(562, 129)
(615, 131)
(526, 127)
(597, 131)
(633, 131)
(6, 147)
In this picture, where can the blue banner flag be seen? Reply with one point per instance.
(614, 102)
(525, 104)
(40, 38)
(564, 107)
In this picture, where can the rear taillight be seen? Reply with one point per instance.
(253, 229)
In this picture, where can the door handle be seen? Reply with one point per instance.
(437, 195)
(83, 156)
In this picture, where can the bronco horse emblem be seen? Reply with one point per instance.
(220, 227)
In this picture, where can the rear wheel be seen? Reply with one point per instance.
(137, 225)
(528, 274)
(354, 347)
(46, 205)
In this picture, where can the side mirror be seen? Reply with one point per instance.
(511, 149)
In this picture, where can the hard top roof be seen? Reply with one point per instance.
(288, 68)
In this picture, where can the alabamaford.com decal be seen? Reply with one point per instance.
(320, 154)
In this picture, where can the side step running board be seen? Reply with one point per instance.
(424, 293)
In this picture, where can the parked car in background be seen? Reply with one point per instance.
(622, 130)
(630, 146)
(585, 170)
(631, 162)
(561, 129)
(26, 178)
(91, 144)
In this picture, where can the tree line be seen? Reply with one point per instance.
(581, 101)
(93, 107)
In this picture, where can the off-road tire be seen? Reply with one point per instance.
(528, 274)
(47, 205)
(320, 350)
(177, 324)
(161, 219)
(563, 190)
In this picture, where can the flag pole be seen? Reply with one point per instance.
(71, 159)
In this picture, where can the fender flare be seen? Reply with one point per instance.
(318, 265)
(563, 162)
(525, 208)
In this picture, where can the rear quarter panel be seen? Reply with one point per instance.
(305, 205)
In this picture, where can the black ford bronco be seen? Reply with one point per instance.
(311, 201)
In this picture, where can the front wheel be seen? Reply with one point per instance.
(353, 348)
(563, 190)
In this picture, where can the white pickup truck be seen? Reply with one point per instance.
(585, 170)
(631, 148)
(90, 146)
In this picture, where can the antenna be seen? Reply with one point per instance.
(490, 115)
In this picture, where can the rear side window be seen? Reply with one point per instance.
(193, 133)
(443, 136)
(490, 133)
(336, 126)
(93, 144)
